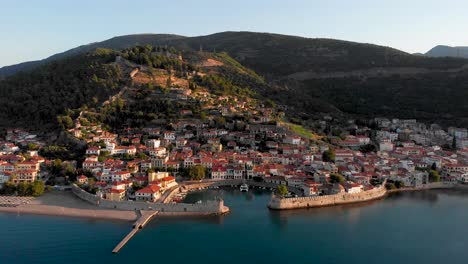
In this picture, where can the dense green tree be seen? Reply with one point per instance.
(9, 188)
(399, 184)
(337, 178)
(282, 190)
(197, 172)
(23, 189)
(434, 176)
(368, 148)
(36, 188)
(328, 155)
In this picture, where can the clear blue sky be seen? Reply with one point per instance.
(36, 29)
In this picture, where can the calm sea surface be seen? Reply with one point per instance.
(424, 227)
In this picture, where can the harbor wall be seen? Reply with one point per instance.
(280, 203)
(204, 208)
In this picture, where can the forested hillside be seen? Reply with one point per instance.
(305, 76)
(35, 99)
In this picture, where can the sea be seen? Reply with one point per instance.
(413, 227)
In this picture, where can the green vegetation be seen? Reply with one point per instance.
(36, 188)
(399, 184)
(328, 155)
(197, 172)
(368, 148)
(35, 99)
(301, 131)
(282, 190)
(39, 99)
(337, 178)
(434, 176)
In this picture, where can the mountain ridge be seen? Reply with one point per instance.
(252, 48)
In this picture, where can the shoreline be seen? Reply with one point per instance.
(68, 205)
(48, 210)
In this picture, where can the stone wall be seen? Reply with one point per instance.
(204, 208)
(279, 203)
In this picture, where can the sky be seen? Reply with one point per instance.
(36, 29)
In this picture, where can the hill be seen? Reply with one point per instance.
(447, 51)
(116, 43)
(122, 87)
(311, 76)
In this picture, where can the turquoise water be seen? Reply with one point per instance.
(424, 227)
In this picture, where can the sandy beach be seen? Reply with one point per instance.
(62, 203)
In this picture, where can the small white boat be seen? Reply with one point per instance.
(244, 187)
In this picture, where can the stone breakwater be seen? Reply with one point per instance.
(206, 208)
(280, 203)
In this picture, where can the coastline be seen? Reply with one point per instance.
(65, 204)
(49, 210)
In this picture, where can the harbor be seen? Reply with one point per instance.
(144, 218)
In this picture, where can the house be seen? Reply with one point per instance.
(278, 180)
(169, 135)
(82, 179)
(168, 182)
(296, 182)
(27, 176)
(218, 173)
(150, 193)
(120, 176)
(352, 187)
(153, 143)
(93, 151)
(27, 165)
(311, 188)
(295, 140)
(155, 176)
(115, 194)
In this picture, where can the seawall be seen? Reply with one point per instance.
(205, 208)
(279, 203)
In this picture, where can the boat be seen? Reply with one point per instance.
(244, 187)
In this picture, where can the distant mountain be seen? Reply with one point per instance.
(447, 51)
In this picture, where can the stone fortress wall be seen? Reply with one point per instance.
(204, 208)
(280, 203)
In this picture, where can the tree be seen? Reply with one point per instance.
(282, 190)
(434, 176)
(23, 189)
(197, 172)
(399, 184)
(328, 155)
(368, 148)
(337, 178)
(65, 121)
(9, 188)
(37, 188)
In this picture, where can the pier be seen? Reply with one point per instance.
(144, 218)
